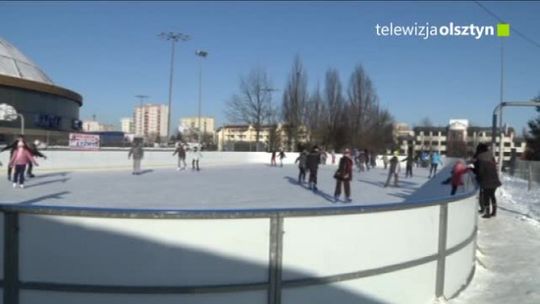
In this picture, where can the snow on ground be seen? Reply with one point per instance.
(508, 254)
(252, 186)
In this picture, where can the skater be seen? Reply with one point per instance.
(281, 157)
(361, 161)
(197, 155)
(312, 163)
(373, 160)
(367, 159)
(323, 157)
(21, 157)
(33, 147)
(343, 176)
(333, 154)
(12, 148)
(409, 164)
(385, 161)
(456, 179)
(301, 160)
(393, 171)
(486, 169)
(435, 161)
(181, 151)
(273, 159)
(137, 152)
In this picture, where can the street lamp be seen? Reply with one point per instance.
(8, 113)
(173, 37)
(202, 54)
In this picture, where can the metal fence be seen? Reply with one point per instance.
(527, 170)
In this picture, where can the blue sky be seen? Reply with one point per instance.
(109, 52)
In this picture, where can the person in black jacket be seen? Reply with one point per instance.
(312, 163)
(36, 153)
(343, 176)
(12, 147)
(485, 168)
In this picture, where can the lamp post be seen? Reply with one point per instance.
(8, 113)
(202, 54)
(173, 37)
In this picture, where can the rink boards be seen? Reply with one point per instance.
(400, 253)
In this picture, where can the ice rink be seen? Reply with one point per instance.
(255, 186)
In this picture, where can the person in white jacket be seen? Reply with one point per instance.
(196, 155)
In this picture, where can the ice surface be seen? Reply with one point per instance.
(255, 186)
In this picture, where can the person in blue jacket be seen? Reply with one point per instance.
(435, 162)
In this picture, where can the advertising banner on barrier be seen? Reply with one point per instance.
(79, 141)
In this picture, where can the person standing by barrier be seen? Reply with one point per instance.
(343, 176)
(312, 163)
(181, 151)
(21, 157)
(456, 179)
(33, 147)
(486, 169)
(393, 171)
(137, 152)
(435, 162)
(302, 160)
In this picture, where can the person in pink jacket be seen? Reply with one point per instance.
(21, 157)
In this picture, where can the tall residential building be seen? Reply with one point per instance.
(151, 121)
(127, 125)
(207, 124)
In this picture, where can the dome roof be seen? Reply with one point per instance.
(13, 63)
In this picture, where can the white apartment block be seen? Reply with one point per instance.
(207, 124)
(458, 131)
(94, 126)
(247, 133)
(151, 120)
(127, 125)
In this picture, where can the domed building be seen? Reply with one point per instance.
(50, 112)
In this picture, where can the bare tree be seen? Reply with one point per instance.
(425, 122)
(253, 104)
(294, 102)
(363, 103)
(316, 114)
(335, 118)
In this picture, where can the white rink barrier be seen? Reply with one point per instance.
(410, 252)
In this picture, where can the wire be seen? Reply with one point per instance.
(514, 29)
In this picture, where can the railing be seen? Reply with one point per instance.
(396, 253)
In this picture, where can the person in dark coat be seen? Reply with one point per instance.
(281, 157)
(12, 148)
(488, 178)
(137, 152)
(409, 163)
(312, 163)
(302, 160)
(35, 153)
(181, 151)
(273, 159)
(393, 171)
(343, 176)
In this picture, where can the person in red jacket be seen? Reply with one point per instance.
(21, 157)
(343, 176)
(457, 175)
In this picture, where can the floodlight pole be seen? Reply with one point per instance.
(202, 54)
(173, 37)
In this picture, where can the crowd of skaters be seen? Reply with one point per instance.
(483, 165)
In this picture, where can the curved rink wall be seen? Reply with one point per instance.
(411, 252)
